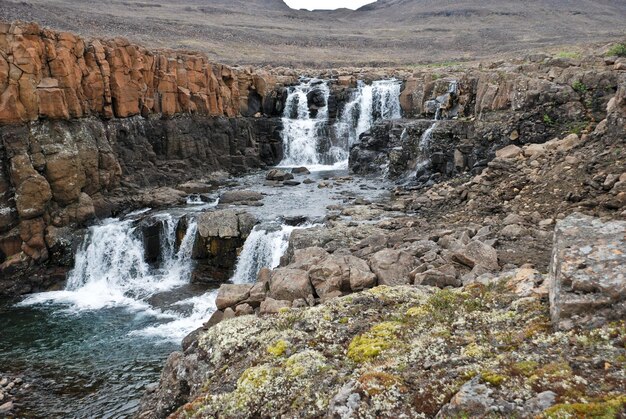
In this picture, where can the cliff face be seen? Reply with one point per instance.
(51, 75)
(91, 128)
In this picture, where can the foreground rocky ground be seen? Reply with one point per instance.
(493, 297)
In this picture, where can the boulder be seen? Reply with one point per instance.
(290, 284)
(478, 253)
(278, 175)
(509, 152)
(437, 278)
(300, 171)
(392, 267)
(238, 197)
(230, 295)
(587, 279)
(340, 274)
(272, 306)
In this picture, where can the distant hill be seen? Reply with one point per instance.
(387, 32)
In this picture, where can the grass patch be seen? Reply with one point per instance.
(568, 54)
(617, 50)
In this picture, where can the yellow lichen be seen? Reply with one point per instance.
(420, 311)
(492, 378)
(371, 344)
(473, 351)
(278, 348)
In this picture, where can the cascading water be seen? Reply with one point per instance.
(303, 130)
(263, 248)
(304, 135)
(427, 136)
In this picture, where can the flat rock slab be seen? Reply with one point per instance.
(587, 281)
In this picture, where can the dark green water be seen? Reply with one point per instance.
(79, 365)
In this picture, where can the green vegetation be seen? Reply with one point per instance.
(371, 344)
(617, 49)
(547, 119)
(606, 409)
(278, 349)
(574, 55)
(580, 87)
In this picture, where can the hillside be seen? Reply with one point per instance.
(388, 32)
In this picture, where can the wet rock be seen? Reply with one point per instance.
(308, 181)
(220, 235)
(300, 171)
(230, 295)
(240, 197)
(278, 175)
(392, 267)
(291, 183)
(587, 280)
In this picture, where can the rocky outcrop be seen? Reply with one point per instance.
(587, 277)
(220, 236)
(57, 75)
(481, 110)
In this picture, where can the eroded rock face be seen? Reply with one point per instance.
(46, 74)
(587, 281)
(220, 235)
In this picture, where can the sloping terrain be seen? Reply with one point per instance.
(388, 32)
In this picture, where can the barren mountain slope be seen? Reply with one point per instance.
(386, 32)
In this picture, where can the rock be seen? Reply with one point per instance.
(32, 191)
(565, 144)
(546, 223)
(300, 171)
(478, 253)
(308, 181)
(271, 306)
(238, 197)
(512, 219)
(258, 292)
(6, 408)
(437, 278)
(540, 402)
(509, 152)
(291, 183)
(278, 175)
(472, 400)
(513, 231)
(392, 267)
(338, 274)
(229, 313)
(220, 235)
(587, 280)
(244, 310)
(526, 283)
(229, 295)
(215, 318)
(306, 258)
(196, 187)
(534, 150)
(290, 284)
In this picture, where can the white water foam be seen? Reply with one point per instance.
(301, 135)
(263, 248)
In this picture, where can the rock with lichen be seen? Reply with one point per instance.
(404, 351)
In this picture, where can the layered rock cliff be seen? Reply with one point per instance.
(89, 128)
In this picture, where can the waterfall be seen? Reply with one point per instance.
(386, 99)
(306, 134)
(263, 248)
(304, 126)
(427, 136)
(110, 269)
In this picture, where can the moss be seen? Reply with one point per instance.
(492, 378)
(284, 309)
(278, 348)
(568, 54)
(473, 351)
(548, 120)
(606, 409)
(344, 320)
(524, 368)
(580, 87)
(420, 311)
(371, 344)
